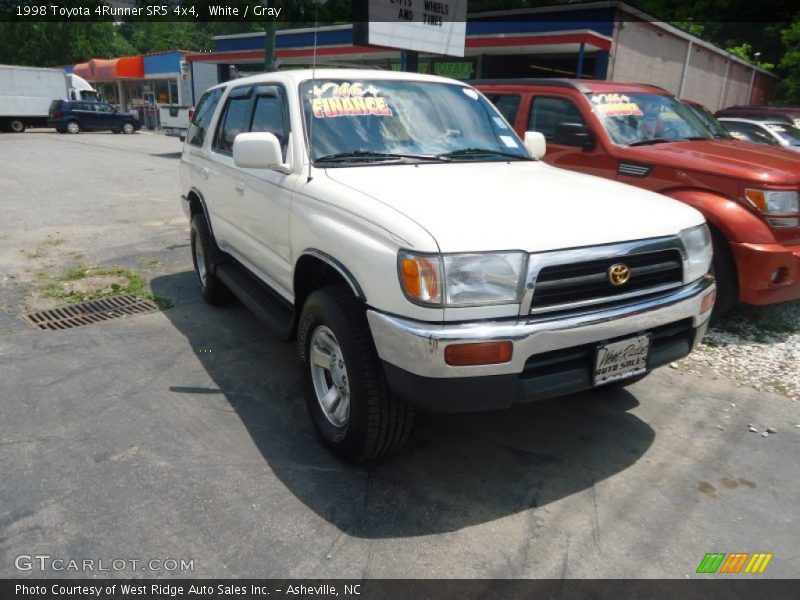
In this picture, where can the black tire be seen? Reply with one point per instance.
(61, 131)
(723, 268)
(116, 131)
(378, 425)
(213, 290)
(16, 126)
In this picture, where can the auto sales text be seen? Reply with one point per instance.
(172, 591)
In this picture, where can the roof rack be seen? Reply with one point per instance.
(553, 82)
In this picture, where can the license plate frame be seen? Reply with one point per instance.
(621, 359)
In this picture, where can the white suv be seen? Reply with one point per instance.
(422, 255)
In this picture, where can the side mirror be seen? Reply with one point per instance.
(257, 150)
(535, 143)
(573, 134)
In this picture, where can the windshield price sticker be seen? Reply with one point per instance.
(616, 105)
(348, 100)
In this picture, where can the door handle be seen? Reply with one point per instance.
(239, 188)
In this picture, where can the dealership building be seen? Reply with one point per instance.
(599, 40)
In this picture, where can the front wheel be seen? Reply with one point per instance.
(128, 128)
(723, 268)
(343, 382)
(73, 127)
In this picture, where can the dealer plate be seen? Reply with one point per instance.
(622, 359)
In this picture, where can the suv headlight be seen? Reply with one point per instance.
(699, 251)
(463, 279)
(773, 203)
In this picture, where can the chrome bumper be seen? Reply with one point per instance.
(418, 347)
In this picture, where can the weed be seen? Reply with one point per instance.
(76, 273)
(133, 283)
(55, 241)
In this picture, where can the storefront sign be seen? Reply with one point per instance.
(435, 26)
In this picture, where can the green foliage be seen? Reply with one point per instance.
(788, 90)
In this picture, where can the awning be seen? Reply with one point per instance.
(99, 69)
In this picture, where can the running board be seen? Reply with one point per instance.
(274, 311)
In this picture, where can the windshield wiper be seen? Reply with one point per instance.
(482, 152)
(653, 141)
(369, 155)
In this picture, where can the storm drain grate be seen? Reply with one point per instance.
(93, 311)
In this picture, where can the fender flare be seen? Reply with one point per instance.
(732, 219)
(336, 265)
(217, 256)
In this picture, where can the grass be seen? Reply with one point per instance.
(38, 253)
(132, 283)
(55, 241)
(150, 262)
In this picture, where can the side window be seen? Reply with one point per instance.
(269, 115)
(202, 116)
(547, 113)
(507, 104)
(103, 108)
(235, 120)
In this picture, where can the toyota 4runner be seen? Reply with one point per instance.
(422, 256)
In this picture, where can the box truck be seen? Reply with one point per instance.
(26, 94)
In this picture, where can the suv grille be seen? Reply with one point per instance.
(587, 283)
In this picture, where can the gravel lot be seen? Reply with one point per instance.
(754, 346)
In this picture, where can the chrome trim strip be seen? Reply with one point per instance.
(536, 262)
(604, 300)
(418, 347)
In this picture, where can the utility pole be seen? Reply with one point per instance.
(269, 41)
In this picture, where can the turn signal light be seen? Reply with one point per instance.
(708, 301)
(757, 198)
(483, 353)
(420, 278)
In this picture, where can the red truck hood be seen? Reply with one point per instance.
(726, 158)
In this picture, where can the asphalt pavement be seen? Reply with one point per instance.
(183, 434)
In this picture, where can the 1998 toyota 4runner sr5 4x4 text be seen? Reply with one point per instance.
(421, 254)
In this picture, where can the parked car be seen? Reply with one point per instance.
(780, 114)
(644, 136)
(70, 116)
(773, 133)
(401, 231)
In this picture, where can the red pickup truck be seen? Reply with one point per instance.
(644, 136)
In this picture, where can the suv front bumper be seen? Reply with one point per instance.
(551, 356)
(757, 265)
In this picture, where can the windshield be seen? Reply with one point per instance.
(709, 120)
(640, 118)
(787, 133)
(367, 121)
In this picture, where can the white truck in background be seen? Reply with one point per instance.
(26, 94)
(174, 119)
